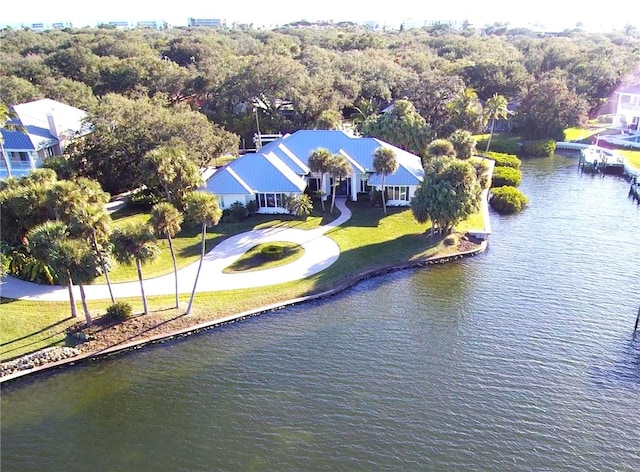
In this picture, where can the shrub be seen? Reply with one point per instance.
(506, 176)
(272, 251)
(463, 143)
(538, 148)
(144, 199)
(440, 147)
(504, 160)
(500, 144)
(300, 205)
(237, 212)
(451, 240)
(252, 207)
(506, 200)
(120, 311)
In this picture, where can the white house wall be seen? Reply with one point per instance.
(225, 201)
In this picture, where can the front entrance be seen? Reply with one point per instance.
(344, 188)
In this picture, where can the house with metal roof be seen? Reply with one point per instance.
(280, 169)
(48, 126)
(627, 115)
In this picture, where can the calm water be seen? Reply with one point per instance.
(519, 359)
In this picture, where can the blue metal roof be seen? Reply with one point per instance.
(260, 172)
(223, 182)
(280, 165)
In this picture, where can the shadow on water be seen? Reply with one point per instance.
(625, 372)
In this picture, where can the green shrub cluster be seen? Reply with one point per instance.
(507, 200)
(273, 251)
(500, 144)
(144, 199)
(538, 148)
(504, 160)
(506, 176)
(120, 311)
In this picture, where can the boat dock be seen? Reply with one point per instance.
(596, 159)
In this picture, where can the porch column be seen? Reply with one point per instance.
(355, 186)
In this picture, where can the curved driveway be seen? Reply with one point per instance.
(320, 252)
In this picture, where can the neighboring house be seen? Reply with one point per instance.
(279, 169)
(627, 115)
(50, 126)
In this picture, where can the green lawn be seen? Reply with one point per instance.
(253, 259)
(369, 240)
(632, 157)
(187, 243)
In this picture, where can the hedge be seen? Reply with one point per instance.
(506, 176)
(507, 200)
(538, 148)
(504, 160)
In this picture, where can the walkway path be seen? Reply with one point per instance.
(320, 252)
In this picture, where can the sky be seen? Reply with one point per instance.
(544, 14)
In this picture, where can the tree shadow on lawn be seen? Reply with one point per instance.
(367, 261)
(33, 338)
(365, 215)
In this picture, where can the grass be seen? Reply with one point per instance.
(632, 157)
(368, 241)
(578, 134)
(253, 259)
(187, 243)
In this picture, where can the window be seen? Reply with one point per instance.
(398, 193)
(271, 200)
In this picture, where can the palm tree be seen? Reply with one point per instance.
(202, 207)
(44, 242)
(465, 110)
(319, 162)
(94, 223)
(339, 169)
(81, 265)
(496, 107)
(167, 220)
(6, 114)
(135, 243)
(384, 163)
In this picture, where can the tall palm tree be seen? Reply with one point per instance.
(339, 169)
(166, 221)
(202, 207)
(496, 107)
(94, 223)
(81, 265)
(135, 243)
(319, 162)
(44, 242)
(465, 110)
(6, 115)
(384, 163)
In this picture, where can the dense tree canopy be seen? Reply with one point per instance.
(298, 73)
(127, 129)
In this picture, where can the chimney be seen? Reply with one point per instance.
(52, 125)
(54, 132)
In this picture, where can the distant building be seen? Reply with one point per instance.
(153, 24)
(48, 127)
(206, 22)
(119, 24)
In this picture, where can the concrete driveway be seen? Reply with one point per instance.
(320, 252)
